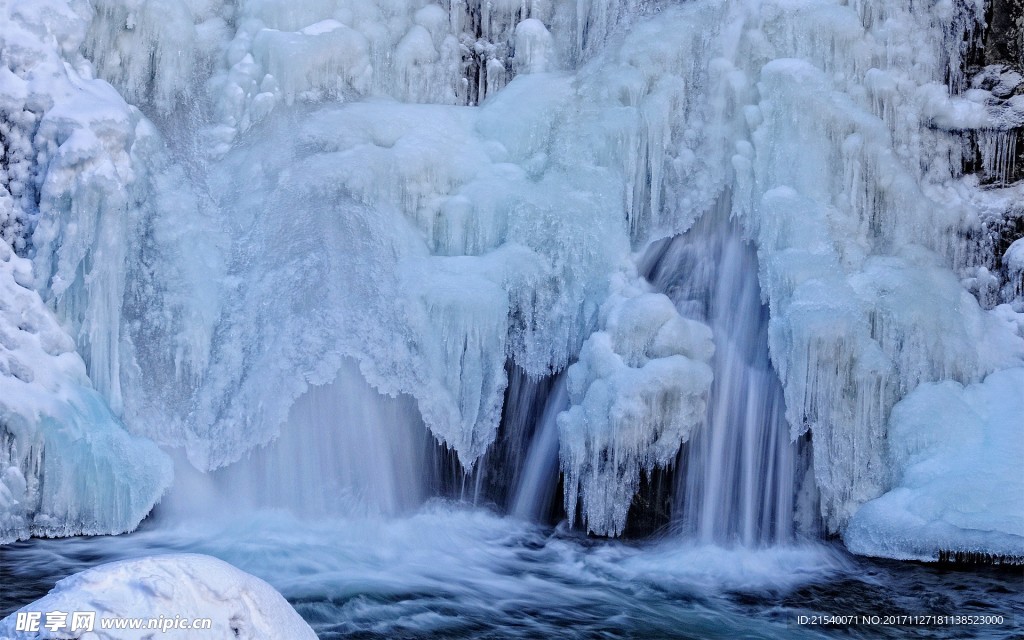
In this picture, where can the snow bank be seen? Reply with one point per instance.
(67, 466)
(955, 452)
(191, 586)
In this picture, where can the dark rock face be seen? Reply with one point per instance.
(994, 70)
(1004, 35)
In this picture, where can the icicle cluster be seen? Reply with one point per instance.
(67, 467)
(636, 393)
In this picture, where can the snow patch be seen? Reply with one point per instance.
(191, 586)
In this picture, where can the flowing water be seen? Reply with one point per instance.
(337, 514)
(739, 471)
(452, 571)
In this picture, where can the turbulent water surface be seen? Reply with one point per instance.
(457, 572)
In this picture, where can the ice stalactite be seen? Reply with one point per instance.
(637, 392)
(440, 190)
(998, 154)
(67, 466)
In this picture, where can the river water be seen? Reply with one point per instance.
(455, 571)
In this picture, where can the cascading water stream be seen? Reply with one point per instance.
(345, 451)
(737, 479)
(538, 479)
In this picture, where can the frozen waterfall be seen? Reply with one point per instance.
(702, 264)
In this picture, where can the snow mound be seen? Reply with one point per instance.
(956, 453)
(192, 586)
(66, 464)
(637, 392)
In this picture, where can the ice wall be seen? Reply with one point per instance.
(67, 466)
(235, 62)
(434, 189)
(856, 210)
(444, 250)
(65, 184)
(99, 207)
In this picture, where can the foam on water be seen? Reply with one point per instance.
(448, 571)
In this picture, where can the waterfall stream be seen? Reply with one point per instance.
(738, 476)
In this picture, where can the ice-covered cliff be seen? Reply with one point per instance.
(437, 190)
(67, 466)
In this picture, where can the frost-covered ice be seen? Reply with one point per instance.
(955, 452)
(249, 57)
(440, 191)
(189, 586)
(67, 466)
(99, 207)
(637, 392)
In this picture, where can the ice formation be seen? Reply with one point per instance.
(636, 393)
(439, 190)
(67, 466)
(855, 214)
(955, 452)
(170, 587)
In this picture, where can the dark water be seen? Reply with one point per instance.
(453, 572)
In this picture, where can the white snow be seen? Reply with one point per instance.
(191, 586)
(955, 452)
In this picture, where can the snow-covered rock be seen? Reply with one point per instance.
(176, 588)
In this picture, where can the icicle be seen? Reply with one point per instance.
(998, 154)
(636, 394)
